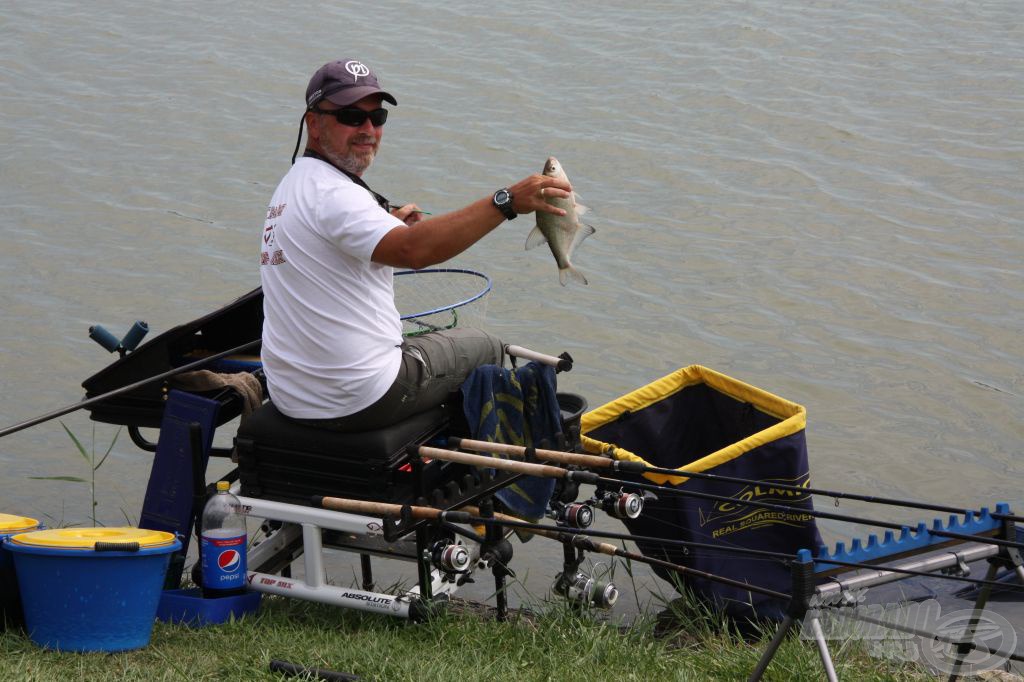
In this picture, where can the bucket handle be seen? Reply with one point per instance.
(116, 547)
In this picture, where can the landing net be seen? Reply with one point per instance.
(440, 298)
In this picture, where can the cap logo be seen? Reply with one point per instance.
(357, 69)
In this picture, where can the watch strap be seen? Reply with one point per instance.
(504, 206)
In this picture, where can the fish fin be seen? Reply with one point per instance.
(569, 272)
(535, 238)
(580, 208)
(581, 234)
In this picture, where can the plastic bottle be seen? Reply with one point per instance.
(222, 545)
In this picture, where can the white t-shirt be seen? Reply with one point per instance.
(331, 332)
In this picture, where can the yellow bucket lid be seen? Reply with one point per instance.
(86, 538)
(9, 523)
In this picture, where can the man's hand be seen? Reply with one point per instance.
(410, 214)
(531, 193)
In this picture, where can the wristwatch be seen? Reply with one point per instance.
(502, 201)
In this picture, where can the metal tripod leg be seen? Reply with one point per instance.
(802, 576)
(780, 635)
(773, 646)
(826, 657)
(967, 638)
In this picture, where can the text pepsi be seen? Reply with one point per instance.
(222, 545)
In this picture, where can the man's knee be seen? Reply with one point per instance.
(457, 351)
(480, 347)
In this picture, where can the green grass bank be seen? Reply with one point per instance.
(463, 645)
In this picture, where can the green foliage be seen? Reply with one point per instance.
(89, 455)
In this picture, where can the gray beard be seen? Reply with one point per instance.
(356, 165)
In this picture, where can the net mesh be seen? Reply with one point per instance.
(429, 300)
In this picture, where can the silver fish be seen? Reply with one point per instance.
(561, 233)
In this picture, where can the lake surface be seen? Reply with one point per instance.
(822, 199)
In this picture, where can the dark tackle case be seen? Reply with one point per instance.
(283, 460)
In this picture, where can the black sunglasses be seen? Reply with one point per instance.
(355, 117)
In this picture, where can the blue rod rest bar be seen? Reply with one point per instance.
(909, 539)
(134, 335)
(104, 338)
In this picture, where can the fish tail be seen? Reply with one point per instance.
(569, 272)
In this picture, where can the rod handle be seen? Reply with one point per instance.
(562, 363)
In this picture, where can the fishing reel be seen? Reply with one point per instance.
(587, 590)
(573, 515)
(450, 557)
(620, 504)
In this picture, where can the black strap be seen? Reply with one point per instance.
(381, 200)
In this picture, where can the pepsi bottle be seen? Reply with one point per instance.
(222, 545)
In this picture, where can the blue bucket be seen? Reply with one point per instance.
(91, 589)
(10, 604)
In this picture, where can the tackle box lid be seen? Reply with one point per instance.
(11, 523)
(86, 538)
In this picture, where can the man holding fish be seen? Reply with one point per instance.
(333, 350)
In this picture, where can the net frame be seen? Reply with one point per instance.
(466, 289)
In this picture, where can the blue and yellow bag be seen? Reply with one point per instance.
(699, 420)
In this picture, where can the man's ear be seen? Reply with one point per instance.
(312, 126)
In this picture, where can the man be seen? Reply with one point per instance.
(333, 350)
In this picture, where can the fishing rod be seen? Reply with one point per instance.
(811, 512)
(566, 535)
(432, 514)
(929, 636)
(529, 453)
(513, 465)
(873, 499)
(581, 541)
(582, 535)
(631, 466)
(543, 470)
(125, 389)
(530, 469)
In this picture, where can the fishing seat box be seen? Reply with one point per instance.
(283, 460)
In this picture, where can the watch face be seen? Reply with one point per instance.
(501, 196)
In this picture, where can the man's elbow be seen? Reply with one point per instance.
(418, 261)
(403, 256)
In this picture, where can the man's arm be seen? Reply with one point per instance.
(435, 240)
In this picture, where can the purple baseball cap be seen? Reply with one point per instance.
(343, 82)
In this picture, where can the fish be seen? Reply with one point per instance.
(562, 234)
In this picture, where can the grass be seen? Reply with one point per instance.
(89, 455)
(463, 645)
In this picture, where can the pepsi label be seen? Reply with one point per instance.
(223, 561)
